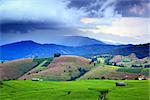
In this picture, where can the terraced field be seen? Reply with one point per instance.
(74, 90)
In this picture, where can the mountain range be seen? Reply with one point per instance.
(88, 47)
(78, 41)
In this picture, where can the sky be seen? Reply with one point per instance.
(42, 21)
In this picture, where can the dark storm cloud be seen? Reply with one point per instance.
(43, 19)
(31, 18)
(28, 15)
(26, 26)
(80, 3)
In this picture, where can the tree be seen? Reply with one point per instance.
(57, 55)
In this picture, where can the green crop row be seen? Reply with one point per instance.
(144, 71)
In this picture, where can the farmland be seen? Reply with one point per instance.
(71, 78)
(66, 68)
(61, 69)
(74, 50)
(73, 90)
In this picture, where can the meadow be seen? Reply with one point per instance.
(71, 78)
(74, 90)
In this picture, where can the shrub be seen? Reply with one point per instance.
(145, 71)
(126, 60)
(57, 55)
(82, 71)
(102, 77)
(147, 66)
(1, 83)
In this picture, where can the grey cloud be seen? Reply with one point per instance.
(122, 7)
(26, 26)
(61, 17)
(28, 15)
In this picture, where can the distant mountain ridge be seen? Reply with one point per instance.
(28, 49)
(73, 41)
(79, 41)
(141, 50)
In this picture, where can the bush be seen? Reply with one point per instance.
(82, 71)
(126, 60)
(137, 66)
(57, 55)
(147, 66)
(1, 83)
(145, 71)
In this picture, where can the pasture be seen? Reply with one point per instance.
(73, 90)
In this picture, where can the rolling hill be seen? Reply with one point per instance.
(61, 69)
(140, 50)
(65, 68)
(107, 73)
(15, 69)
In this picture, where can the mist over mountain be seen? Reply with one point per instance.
(30, 49)
(79, 41)
(67, 40)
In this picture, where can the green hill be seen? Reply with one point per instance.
(107, 73)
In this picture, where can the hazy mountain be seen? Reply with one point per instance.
(79, 41)
(141, 50)
(25, 49)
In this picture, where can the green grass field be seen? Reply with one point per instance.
(73, 90)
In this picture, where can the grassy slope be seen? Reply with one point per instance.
(107, 72)
(80, 90)
(40, 66)
(14, 69)
(62, 68)
(144, 71)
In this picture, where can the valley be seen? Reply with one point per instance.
(74, 50)
(75, 77)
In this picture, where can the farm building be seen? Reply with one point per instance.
(35, 79)
(120, 84)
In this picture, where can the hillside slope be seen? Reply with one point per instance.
(15, 69)
(61, 69)
(107, 73)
